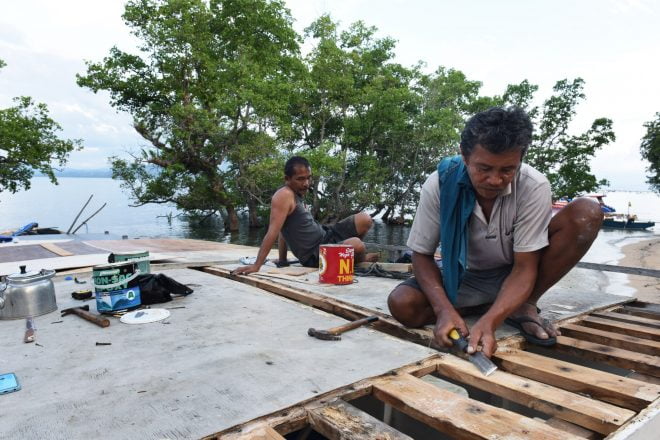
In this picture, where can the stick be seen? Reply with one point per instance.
(76, 219)
(89, 218)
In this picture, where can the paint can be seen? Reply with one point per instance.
(336, 263)
(140, 257)
(113, 286)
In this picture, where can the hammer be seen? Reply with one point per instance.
(83, 312)
(332, 334)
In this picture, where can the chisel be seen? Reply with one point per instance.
(485, 365)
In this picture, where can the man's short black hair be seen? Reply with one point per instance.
(291, 164)
(497, 130)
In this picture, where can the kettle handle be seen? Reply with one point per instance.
(2, 292)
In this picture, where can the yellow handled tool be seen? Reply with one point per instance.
(485, 365)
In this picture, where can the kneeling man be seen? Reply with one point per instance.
(501, 247)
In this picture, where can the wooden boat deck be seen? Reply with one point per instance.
(234, 361)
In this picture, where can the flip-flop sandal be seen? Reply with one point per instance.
(529, 337)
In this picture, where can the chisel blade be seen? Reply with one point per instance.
(478, 359)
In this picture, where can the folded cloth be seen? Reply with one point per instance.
(457, 199)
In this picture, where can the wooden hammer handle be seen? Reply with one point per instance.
(101, 322)
(351, 325)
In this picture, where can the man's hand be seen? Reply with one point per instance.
(281, 263)
(446, 322)
(244, 270)
(482, 333)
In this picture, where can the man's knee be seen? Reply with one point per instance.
(363, 222)
(583, 216)
(405, 306)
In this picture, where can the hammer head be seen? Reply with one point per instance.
(71, 309)
(323, 334)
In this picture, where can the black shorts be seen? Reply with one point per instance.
(340, 231)
(477, 288)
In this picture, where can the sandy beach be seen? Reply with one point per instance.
(645, 254)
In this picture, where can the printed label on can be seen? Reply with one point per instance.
(336, 264)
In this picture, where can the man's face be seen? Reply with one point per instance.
(300, 181)
(491, 173)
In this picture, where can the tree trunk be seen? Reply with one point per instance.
(231, 222)
(252, 210)
(378, 209)
(386, 216)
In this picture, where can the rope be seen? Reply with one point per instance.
(376, 270)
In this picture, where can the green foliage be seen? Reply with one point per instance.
(222, 95)
(650, 150)
(563, 158)
(29, 142)
(210, 77)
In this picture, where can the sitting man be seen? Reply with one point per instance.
(500, 246)
(293, 224)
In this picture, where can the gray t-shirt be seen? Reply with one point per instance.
(519, 221)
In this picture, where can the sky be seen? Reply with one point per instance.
(611, 44)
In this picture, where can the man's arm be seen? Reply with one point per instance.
(429, 278)
(280, 208)
(514, 292)
(282, 248)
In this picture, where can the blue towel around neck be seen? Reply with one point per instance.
(457, 199)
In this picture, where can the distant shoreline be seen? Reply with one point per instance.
(644, 254)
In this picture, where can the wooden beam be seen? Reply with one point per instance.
(342, 421)
(621, 391)
(609, 325)
(610, 339)
(621, 269)
(262, 432)
(618, 357)
(583, 411)
(639, 311)
(573, 429)
(56, 249)
(456, 415)
(632, 319)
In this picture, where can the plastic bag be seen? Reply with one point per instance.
(158, 288)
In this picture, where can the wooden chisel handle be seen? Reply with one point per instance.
(101, 322)
(351, 325)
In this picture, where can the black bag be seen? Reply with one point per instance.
(157, 288)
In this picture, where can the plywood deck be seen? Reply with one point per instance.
(232, 354)
(371, 293)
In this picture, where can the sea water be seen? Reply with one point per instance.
(57, 205)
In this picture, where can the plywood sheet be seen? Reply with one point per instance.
(231, 354)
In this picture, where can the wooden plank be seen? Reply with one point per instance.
(458, 416)
(639, 311)
(621, 391)
(618, 340)
(259, 433)
(342, 421)
(618, 357)
(609, 325)
(56, 249)
(346, 310)
(621, 269)
(571, 428)
(589, 413)
(644, 378)
(647, 322)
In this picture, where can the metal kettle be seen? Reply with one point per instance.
(27, 294)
